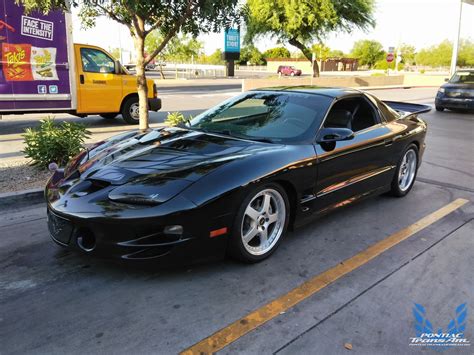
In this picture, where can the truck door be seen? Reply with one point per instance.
(99, 87)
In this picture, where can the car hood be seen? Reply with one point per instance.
(167, 153)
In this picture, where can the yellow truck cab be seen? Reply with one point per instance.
(42, 70)
(105, 87)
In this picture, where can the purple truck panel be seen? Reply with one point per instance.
(34, 58)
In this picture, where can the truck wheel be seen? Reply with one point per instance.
(130, 111)
(439, 108)
(108, 116)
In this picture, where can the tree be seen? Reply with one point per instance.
(336, 53)
(300, 22)
(278, 52)
(215, 58)
(368, 52)
(115, 52)
(407, 52)
(251, 55)
(440, 55)
(145, 16)
(181, 48)
(435, 56)
(466, 53)
(321, 51)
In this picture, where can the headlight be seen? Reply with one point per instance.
(442, 90)
(148, 193)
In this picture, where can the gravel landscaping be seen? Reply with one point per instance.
(19, 175)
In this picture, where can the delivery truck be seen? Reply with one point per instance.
(42, 70)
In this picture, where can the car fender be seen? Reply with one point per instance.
(294, 164)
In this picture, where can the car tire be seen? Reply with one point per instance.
(439, 108)
(264, 211)
(405, 173)
(108, 116)
(130, 110)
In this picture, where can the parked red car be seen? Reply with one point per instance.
(288, 70)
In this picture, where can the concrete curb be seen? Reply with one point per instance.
(31, 196)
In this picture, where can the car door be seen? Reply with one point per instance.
(99, 87)
(352, 168)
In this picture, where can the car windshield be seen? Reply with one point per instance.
(466, 77)
(266, 116)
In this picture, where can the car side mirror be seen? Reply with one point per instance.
(118, 67)
(333, 134)
(446, 79)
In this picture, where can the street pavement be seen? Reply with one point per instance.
(53, 301)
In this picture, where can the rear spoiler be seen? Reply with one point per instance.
(407, 108)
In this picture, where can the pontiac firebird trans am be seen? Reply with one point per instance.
(234, 178)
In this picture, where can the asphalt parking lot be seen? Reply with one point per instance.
(348, 280)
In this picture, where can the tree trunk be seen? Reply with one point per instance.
(142, 87)
(315, 69)
(307, 53)
(161, 72)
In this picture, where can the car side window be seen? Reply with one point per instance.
(96, 61)
(355, 113)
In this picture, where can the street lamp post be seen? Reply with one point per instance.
(454, 57)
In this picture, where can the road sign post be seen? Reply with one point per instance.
(231, 49)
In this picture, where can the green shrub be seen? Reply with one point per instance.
(52, 142)
(176, 118)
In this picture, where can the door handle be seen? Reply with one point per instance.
(81, 78)
(388, 142)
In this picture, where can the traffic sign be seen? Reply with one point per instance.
(390, 57)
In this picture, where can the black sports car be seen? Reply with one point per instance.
(457, 93)
(234, 178)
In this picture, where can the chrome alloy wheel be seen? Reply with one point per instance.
(134, 110)
(407, 171)
(263, 222)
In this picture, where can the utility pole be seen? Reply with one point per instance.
(454, 58)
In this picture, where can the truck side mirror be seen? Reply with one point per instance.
(118, 67)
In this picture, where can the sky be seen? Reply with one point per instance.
(421, 23)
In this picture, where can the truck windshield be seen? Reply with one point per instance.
(96, 61)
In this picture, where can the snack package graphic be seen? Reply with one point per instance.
(16, 62)
(43, 63)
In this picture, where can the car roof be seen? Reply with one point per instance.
(333, 92)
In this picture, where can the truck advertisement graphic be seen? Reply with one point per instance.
(34, 67)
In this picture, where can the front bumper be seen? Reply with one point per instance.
(154, 104)
(455, 103)
(138, 239)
